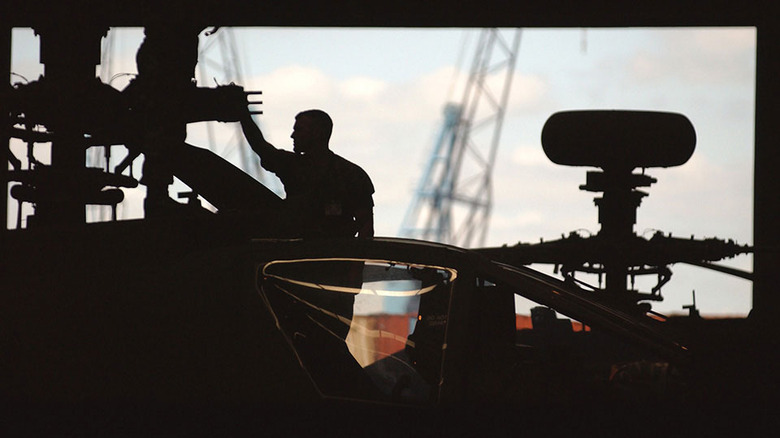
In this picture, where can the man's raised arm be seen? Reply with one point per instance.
(255, 137)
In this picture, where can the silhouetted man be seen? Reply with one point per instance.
(331, 196)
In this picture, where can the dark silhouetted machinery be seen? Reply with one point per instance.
(618, 142)
(177, 318)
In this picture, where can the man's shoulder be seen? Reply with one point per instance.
(351, 170)
(343, 163)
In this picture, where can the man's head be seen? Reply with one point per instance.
(311, 132)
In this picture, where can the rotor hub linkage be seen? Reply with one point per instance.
(618, 142)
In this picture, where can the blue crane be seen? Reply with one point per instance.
(453, 199)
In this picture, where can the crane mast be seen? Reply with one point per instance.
(453, 200)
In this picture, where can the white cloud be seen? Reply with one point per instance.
(700, 198)
(293, 83)
(362, 88)
(526, 155)
(724, 57)
(725, 42)
(527, 91)
(518, 220)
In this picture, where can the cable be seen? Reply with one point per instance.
(26, 81)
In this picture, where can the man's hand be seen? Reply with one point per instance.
(234, 104)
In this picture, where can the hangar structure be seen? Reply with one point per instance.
(132, 311)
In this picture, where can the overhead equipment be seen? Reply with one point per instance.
(618, 142)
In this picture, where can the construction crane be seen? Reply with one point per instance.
(453, 200)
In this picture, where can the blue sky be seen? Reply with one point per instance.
(386, 88)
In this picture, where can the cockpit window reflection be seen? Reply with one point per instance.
(370, 329)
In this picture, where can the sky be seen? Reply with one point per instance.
(386, 89)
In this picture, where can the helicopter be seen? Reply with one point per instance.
(187, 313)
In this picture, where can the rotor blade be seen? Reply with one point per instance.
(724, 269)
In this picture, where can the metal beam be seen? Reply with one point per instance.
(400, 13)
(766, 192)
(5, 70)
